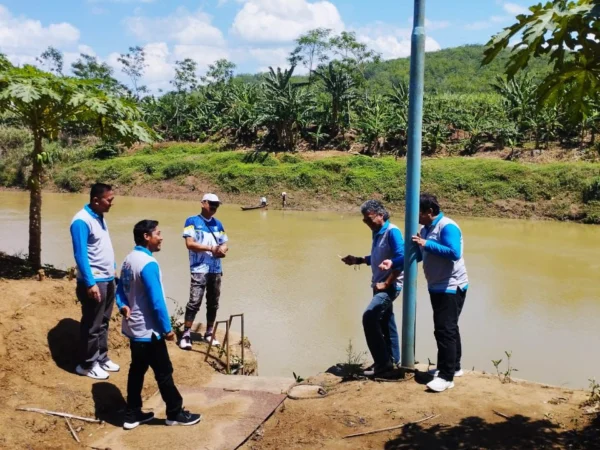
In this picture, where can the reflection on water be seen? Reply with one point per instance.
(534, 286)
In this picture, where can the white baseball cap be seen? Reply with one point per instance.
(211, 198)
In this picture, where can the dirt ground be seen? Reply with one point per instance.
(39, 323)
(39, 333)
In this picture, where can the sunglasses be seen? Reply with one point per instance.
(214, 204)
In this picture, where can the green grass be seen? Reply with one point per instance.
(559, 187)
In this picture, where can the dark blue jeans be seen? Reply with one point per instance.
(380, 328)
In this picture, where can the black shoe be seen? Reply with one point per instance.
(184, 418)
(136, 418)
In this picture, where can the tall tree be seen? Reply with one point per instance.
(311, 49)
(88, 67)
(134, 65)
(52, 60)
(339, 84)
(221, 72)
(185, 75)
(355, 55)
(568, 31)
(43, 103)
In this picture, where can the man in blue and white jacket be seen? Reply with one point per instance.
(146, 322)
(441, 246)
(95, 261)
(387, 261)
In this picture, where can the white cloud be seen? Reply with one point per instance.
(182, 27)
(390, 41)
(514, 9)
(284, 20)
(22, 39)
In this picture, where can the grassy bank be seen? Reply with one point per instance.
(470, 186)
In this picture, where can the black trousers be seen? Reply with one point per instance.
(95, 317)
(152, 354)
(446, 311)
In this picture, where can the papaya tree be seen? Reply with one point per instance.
(566, 31)
(44, 103)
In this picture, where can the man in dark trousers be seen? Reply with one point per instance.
(386, 260)
(95, 261)
(441, 246)
(146, 322)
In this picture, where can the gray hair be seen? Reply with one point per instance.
(375, 206)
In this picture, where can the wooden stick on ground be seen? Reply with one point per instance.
(72, 430)
(59, 414)
(390, 428)
(501, 415)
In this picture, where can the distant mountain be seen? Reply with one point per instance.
(450, 70)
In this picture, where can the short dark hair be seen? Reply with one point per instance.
(427, 202)
(141, 228)
(98, 190)
(376, 207)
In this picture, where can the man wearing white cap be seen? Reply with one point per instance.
(206, 241)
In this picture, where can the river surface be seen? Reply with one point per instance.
(534, 286)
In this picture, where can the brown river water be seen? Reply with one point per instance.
(534, 286)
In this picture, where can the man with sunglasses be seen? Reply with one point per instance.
(206, 241)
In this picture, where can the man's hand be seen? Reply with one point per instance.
(125, 312)
(386, 265)
(170, 336)
(380, 287)
(219, 251)
(350, 260)
(419, 241)
(94, 293)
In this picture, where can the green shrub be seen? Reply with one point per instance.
(178, 168)
(106, 150)
(70, 180)
(12, 138)
(591, 192)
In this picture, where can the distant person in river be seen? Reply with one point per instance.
(263, 201)
(206, 241)
(283, 199)
(441, 250)
(379, 322)
(146, 322)
(95, 259)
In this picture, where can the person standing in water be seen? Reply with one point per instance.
(206, 241)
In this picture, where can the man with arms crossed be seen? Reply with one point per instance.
(95, 290)
(146, 322)
(206, 241)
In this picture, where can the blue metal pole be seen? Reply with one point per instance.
(413, 183)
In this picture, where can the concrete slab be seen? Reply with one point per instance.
(228, 419)
(274, 385)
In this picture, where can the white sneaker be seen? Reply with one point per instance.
(209, 337)
(110, 366)
(440, 385)
(435, 373)
(186, 342)
(96, 372)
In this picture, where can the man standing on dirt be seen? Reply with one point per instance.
(206, 241)
(379, 322)
(441, 246)
(146, 322)
(95, 261)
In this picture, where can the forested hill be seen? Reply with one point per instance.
(456, 70)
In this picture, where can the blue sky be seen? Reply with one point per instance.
(252, 33)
